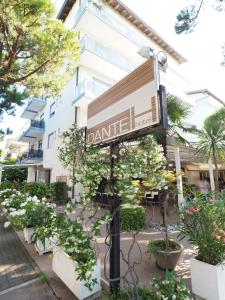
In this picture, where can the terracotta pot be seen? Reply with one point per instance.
(167, 259)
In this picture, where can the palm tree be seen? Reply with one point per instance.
(178, 112)
(211, 140)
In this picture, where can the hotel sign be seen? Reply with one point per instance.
(130, 105)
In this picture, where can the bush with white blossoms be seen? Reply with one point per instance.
(13, 202)
(32, 213)
(170, 288)
(6, 193)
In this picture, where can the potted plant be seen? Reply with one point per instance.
(203, 222)
(166, 251)
(74, 251)
(170, 287)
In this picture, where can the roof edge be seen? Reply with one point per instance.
(133, 18)
(205, 91)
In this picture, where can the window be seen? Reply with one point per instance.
(76, 113)
(40, 145)
(52, 110)
(77, 76)
(51, 138)
(42, 117)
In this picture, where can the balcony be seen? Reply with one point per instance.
(107, 25)
(89, 90)
(34, 106)
(32, 131)
(32, 156)
(97, 57)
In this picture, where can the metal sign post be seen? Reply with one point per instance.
(114, 267)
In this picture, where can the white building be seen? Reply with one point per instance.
(110, 37)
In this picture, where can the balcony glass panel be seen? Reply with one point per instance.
(37, 124)
(91, 89)
(110, 20)
(106, 53)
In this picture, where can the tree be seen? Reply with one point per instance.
(37, 53)
(178, 112)
(211, 140)
(71, 151)
(188, 16)
(36, 50)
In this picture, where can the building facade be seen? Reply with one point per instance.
(110, 37)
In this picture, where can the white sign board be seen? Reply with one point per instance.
(130, 105)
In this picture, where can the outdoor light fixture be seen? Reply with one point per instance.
(148, 53)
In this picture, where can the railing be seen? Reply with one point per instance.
(32, 124)
(37, 124)
(90, 89)
(93, 46)
(30, 155)
(110, 20)
(33, 99)
(35, 154)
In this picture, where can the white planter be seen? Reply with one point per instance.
(65, 269)
(208, 281)
(44, 248)
(29, 235)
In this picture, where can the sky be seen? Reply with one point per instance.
(202, 48)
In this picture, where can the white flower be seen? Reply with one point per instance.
(21, 212)
(23, 204)
(12, 209)
(35, 198)
(174, 297)
(6, 224)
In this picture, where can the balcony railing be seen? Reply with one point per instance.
(34, 106)
(37, 124)
(30, 155)
(32, 129)
(90, 89)
(35, 154)
(95, 47)
(110, 20)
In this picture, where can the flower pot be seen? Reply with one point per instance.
(29, 234)
(65, 269)
(167, 259)
(42, 248)
(208, 281)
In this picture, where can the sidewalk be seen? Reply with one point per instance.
(19, 274)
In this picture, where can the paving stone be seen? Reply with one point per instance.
(16, 265)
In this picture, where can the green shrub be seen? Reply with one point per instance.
(38, 189)
(14, 174)
(59, 192)
(7, 185)
(170, 287)
(132, 217)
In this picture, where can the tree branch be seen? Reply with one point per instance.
(14, 80)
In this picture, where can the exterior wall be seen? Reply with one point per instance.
(31, 174)
(204, 106)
